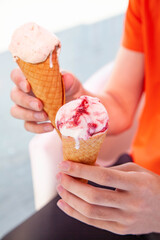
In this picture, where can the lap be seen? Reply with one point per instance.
(51, 223)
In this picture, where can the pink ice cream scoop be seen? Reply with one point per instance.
(82, 118)
(32, 43)
(35, 51)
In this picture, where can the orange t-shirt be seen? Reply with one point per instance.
(142, 33)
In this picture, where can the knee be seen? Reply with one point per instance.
(45, 142)
(41, 141)
(34, 142)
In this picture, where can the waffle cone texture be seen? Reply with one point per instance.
(88, 149)
(46, 83)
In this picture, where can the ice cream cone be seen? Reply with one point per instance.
(87, 152)
(83, 123)
(46, 83)
(88, 149)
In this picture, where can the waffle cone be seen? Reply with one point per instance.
(88, 149)
(46, 83)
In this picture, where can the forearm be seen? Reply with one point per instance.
(119, 119)
(122, 92)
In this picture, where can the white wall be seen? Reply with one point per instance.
(55, 15)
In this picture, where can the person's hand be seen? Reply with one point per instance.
(133, 208)
(30, 109)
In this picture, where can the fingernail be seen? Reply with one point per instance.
(60, 189)
(48, 128)
(61, 204)
(58, 177)
(23, 86)
(39, 116)
(64, 166)
(34, 105)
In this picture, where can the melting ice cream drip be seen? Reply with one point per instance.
(76, 143)
(24, 43)
(82, 118)
(50, 60)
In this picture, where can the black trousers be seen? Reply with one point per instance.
(50, 223)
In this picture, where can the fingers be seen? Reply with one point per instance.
(100, 175)
(108, 225)
(73, 87)
(31, 118)
(27, 107)
(38, 128)
(93, 195)
(28, 115)
(19, 79)
(26, 101)
(91, 210)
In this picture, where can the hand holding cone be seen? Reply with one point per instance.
(83, 124)
(35, 50)
(46, 83)
(88, 149)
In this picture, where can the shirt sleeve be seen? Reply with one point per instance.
(132, 35)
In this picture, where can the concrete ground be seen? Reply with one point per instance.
(85, 48)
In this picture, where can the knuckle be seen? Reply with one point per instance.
(66, 196)
(106, 177)
(138, 206)
(93, 197)
(12, 111)
(15, 74)
(76, 168)
(71, 212)
(66, 181)
(129, 220)
(110, 198)
(12, 93)
(89, 211)
(142, 204)
(31, 127)
(20, 98)
(123, 230)
(30, 115)
(12, 75)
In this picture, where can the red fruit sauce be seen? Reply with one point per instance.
(80, 110)
(74, 121)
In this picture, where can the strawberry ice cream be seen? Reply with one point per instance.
(82, 118)
(32, 43)
(36, 50)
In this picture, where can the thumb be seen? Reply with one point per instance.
(73, 87)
